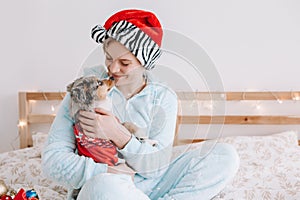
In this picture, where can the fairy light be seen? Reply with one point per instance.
(22, 124)
(208, 105)
(279, 101)
(257, 105)
(52, 108)
(296, 98)
(277, 98)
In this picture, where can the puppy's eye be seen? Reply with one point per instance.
(100, 83)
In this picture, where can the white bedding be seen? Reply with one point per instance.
(270, 169)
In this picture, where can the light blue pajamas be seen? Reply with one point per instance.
(190, 176)
(153, 110)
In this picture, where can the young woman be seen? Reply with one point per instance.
(131, 41)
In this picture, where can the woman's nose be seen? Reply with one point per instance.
(114, 67)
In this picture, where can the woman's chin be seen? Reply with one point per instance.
(118, 82)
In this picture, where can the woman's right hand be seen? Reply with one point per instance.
(121, 169)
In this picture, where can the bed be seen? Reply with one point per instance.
(269, 164)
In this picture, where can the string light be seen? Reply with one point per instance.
(208, 105)
(296, 98)
(244, 95)
(22, 124)
(277, 98)
(52, 108)
(258, 106)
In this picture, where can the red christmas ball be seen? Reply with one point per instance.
(6, 197)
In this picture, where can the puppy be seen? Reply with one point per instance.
(86, 94)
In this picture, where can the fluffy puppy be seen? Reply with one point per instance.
(86, 94)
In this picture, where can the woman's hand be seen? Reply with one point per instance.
(91, 125)
(121, 169)
(103, 124)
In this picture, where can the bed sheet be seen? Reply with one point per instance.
(269, 169)
(22, 169)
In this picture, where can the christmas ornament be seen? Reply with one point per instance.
(31, 194)
(6, 197)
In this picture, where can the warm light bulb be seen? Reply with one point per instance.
(52, 108)
(297, 98)
(279, 101)
(209, 105)
(22, 123)
(257, 105)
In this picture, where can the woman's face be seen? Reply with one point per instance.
(122, 64)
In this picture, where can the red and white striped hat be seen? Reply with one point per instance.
(138, 30)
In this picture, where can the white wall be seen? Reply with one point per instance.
(254, 44)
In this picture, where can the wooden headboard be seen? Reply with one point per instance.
(26, 118)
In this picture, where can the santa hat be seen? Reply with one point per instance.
(138, 30)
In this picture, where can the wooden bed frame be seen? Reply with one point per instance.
(26, 118)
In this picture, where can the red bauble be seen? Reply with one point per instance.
(6, 197)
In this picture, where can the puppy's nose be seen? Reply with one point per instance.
(111, 78)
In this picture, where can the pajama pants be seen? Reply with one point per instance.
(192, 175)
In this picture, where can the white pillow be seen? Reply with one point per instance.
(279, 142)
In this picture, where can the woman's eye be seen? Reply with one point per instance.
(125, 64)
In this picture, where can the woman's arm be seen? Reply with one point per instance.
(59, 160)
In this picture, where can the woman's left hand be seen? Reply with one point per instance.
(103, 124)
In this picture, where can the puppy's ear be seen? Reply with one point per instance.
(70, 86)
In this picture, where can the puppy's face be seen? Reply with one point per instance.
(85, 91)
(103, 88)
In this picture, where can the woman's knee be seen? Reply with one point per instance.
(101, 186)
(109, 186)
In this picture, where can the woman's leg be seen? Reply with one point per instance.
(194, 176)
(110, 186)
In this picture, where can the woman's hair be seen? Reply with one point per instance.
(106, 43)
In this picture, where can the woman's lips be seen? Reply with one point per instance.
(117, 76)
